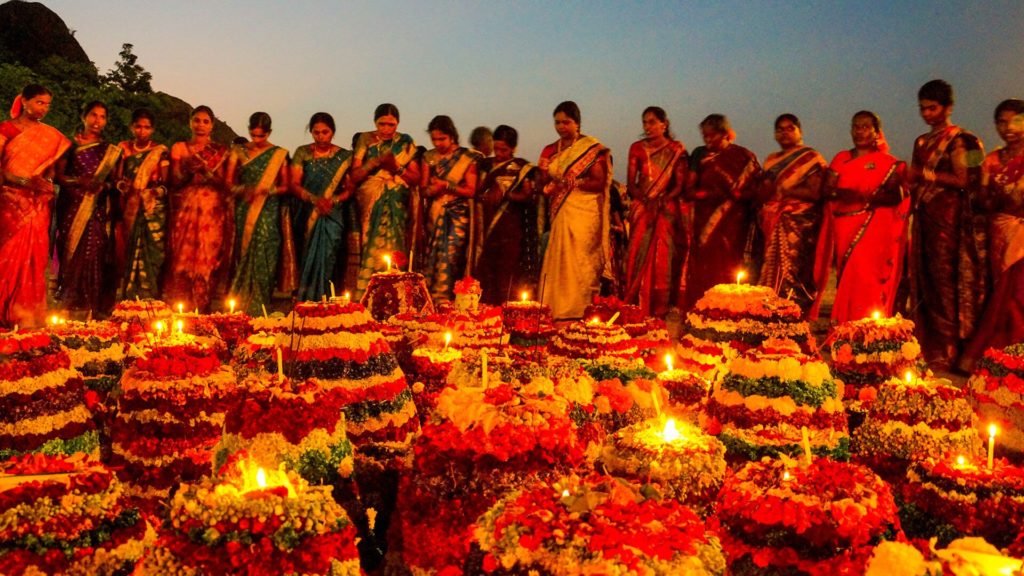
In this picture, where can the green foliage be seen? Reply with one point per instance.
(128, 75)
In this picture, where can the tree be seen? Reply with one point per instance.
(129, 75)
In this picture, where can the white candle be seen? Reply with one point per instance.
(332, 289)
(264, 306)
(991, 444)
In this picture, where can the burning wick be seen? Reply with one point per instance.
(387, 260)
(447, 339)
(347, 296)
(524, 296)
(181, 308)
(668, 362)
(159, 325)
(785, 476)
(908, 376)
(740, 276)
(670, 433)
(231, 306)
(180, 325)
(54, 319)
(876, 315)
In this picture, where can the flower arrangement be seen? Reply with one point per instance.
(819, 519)
(594, 525)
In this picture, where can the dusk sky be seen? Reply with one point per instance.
(490, 63)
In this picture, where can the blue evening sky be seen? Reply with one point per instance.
(490, 63)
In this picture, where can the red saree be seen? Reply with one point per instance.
(869, 240)
(659, 232)
(25, 221)
(722, 218)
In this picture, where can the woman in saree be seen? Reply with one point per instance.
(449, 182)
(577, 176)
(200, 228)
(724, 181)
(142, 229)
(318, 175)
(29, 151)
(383, 171)
(659, 219)
(508, 263)
(1002, 179)
(866, 224)
(791, 214)
(257, 174)
(86, 281)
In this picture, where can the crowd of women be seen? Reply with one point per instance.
(942, 240)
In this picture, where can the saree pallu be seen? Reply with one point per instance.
(258, 239)
(509, 259)
(25, 223)
(322, 235)
(198, 237)
(383, 200)
(578, 252)
(869, 241)
(659, 239)
(723, 231)
(86, 280)
(1002, 323)
(142, 229)
(446, 258)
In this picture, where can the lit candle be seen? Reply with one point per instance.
(669, 433)
(55, 319)
(181, 308)
(483, 368)
(447, 339)
(387, 260)
(595, 320)
(524, 296)
(908, 376)
(806, 441)
(280, 364)
(346, 297)
(159, 325)
(876, 315)
(180, 325)
(231, 306)
(740, 276)
(991, 444)
(332, 289)
(785, 476)
(668, 362)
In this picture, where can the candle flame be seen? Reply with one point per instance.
(740, 276)
(180, 325)
(251, 478)
(668, 362)
(670, 433)
(876, 315)
(565, 493)
(908, 376)
(231, 305)
(960, 460)
(595, 320)
(387, 261)
(181, 308)
(159, 325)
(992, 430)
(524, 296)
(347, 296)
(785, 476)
(55, 319)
